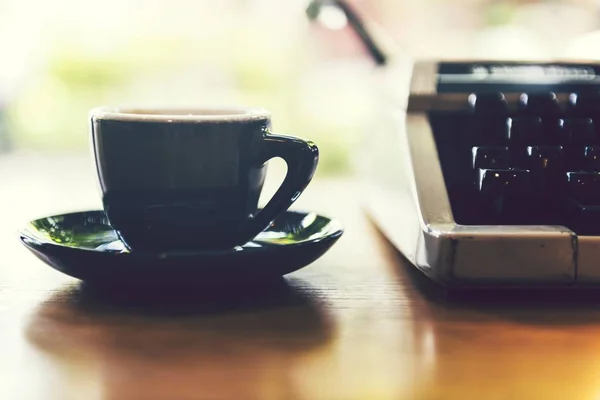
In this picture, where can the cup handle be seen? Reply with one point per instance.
(301, 158)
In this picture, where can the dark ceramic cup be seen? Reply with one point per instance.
(189, 180)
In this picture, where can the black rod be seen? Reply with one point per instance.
(314, 8)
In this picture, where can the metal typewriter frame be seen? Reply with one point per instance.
(406, 198)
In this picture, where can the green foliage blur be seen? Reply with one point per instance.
(237, 58)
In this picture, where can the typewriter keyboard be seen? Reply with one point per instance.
(535, 162)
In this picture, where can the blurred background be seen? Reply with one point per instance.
(59, 59)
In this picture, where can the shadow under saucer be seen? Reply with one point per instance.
(272, 312)
(226, 340)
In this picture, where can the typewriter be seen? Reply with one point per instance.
(486, 173)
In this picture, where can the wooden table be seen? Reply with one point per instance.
(359, 323)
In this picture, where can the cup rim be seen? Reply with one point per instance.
(179, 114)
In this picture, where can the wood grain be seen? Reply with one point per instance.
(359, 323)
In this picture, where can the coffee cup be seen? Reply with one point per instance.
(190, 179)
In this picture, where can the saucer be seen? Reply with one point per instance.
(85, 246)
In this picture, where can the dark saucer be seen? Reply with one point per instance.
(85, 246)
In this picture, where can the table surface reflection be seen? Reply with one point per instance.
(359, 323)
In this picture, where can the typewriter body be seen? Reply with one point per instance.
(488, 173)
